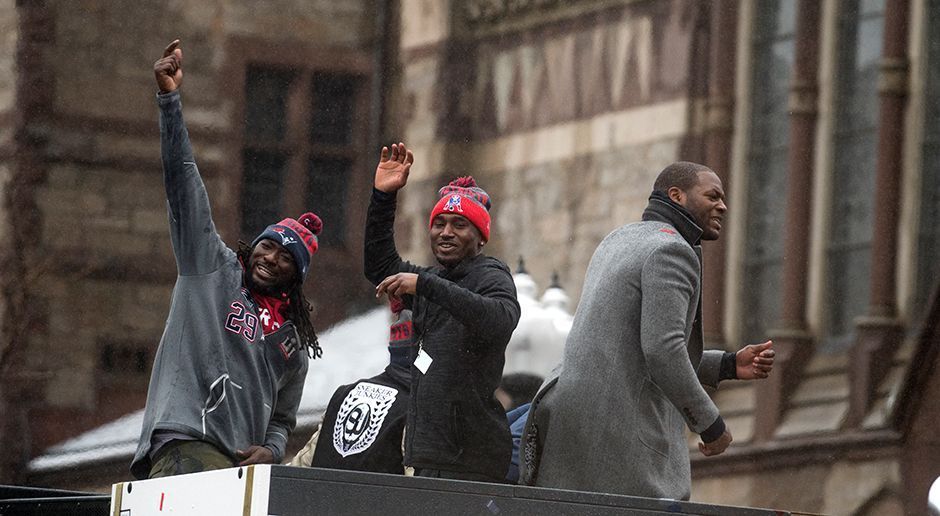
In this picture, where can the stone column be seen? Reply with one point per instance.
(879, 331)
(719, 131)
(791, 339)
(19, 381)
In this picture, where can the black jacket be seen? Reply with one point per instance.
(463, 318)
(363, 424)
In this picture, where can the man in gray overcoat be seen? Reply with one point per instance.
(631, 379)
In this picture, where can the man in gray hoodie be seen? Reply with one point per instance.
(229, 373)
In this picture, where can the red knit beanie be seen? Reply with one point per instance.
(463, 197)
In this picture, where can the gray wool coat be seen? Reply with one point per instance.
(633, 369)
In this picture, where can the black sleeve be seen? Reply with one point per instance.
(380, 256)
(728, 369)
(492, 310)
(713, 432)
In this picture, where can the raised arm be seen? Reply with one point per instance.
(196, 243)
(381, 258)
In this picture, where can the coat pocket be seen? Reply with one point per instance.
(654, 416)
(457, 426)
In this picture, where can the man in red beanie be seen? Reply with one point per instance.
(229, 373)
(464, 310)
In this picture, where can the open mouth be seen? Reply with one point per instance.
(446, 246)
(264, 272)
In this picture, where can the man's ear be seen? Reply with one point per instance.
(676, 194)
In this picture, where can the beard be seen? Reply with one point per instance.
(267, 290)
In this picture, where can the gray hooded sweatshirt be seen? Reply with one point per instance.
(215, 376)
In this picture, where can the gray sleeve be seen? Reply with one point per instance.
(284, 416)
(196, 243)
(668, 286)
(710, 368)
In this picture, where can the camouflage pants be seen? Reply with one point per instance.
(181, 457)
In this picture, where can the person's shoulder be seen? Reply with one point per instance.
(645, 234)
(665, 240)
(396, 376)
(343, 390)
(658, 234)
(492, 263)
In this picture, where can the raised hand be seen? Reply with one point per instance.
(168, 70)
(391, 174)
(755, 361)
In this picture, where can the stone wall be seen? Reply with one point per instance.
(842, 487)
(98, 280)
(564, 120)
(9, 29)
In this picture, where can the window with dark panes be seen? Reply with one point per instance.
(125, 359)
(853, 178)
(264, 158)
(773, 51)
(331, 135)
(332, 99)
(928, 241)
(261, 190)
(327, 181)
(299, 144)
(265, 113)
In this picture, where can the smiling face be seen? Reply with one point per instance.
(271, 267)
(453, 238)
(705, 201)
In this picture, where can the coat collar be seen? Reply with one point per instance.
(457, 272)
(663, 209)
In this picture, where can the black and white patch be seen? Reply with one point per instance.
(360, 417)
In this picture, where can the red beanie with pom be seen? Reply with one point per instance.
(298, 236)
(463, 197)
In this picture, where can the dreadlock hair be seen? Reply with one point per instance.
(298, 308)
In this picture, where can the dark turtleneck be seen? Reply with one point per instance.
(663, 209)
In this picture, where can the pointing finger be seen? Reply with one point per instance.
(171, 48)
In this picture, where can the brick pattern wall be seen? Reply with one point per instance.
(565, 123)
(102, 272)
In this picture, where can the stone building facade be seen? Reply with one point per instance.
(819, 115)
(280, 100)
